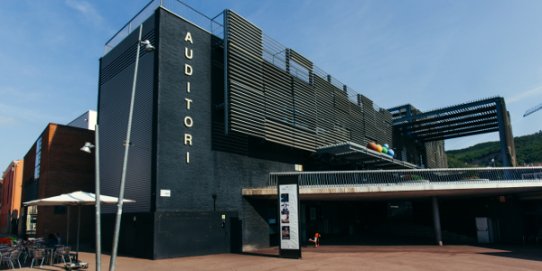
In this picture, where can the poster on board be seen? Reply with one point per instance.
(288, 194)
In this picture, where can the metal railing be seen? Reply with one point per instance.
(212, 25)
(273, 51)
(410, 177)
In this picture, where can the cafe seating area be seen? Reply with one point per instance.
(37, 253)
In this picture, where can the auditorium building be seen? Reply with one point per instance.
(216, 112)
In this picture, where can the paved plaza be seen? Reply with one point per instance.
(400, 258)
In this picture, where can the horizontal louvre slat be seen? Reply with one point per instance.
(267, 101)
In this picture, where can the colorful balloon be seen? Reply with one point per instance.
(391, 152)
(371, 146)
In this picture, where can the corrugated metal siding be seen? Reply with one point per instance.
(116, 77)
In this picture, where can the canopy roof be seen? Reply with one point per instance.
(75, 198)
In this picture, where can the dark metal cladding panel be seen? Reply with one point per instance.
(268, 101)
(357, 124)
(245, 76)
(116, 61)
(377, 121)
(278, 94)
(342, 109)
(117, 71)
(386, 128)
(340, 101)
(342, 134)
(304, 115)
(370, 120)
(244, 34)
(325, 116)
(300, 59)
(305, 105)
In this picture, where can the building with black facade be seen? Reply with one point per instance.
(214, 114)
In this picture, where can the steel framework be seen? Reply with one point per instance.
(477, 117)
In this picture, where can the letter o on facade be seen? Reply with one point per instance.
(188, 122)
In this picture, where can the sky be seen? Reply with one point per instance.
(429, 53)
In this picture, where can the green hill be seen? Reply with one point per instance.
(528, 151)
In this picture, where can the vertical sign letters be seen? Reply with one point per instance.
(188, 71)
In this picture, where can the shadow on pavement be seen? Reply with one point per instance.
(533, 253)
(272, 252)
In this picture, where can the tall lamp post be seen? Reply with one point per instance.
(147, 47)
(98, 226)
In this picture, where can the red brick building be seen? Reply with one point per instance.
(55, 165)
(12, 180)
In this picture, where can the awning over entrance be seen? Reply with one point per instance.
(354, 153)
(386, 184)
(404, 191)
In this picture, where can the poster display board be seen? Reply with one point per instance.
(288, 201)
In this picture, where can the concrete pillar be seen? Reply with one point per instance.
(508, 149)
(436, 221)
(303, 223)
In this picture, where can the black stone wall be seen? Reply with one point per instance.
(189, 221)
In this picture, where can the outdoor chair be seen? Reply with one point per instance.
(38, 254)
(63, 253)
(23, 250)
(11, 257)
(28, 253)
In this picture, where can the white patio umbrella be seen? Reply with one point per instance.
(77, 198)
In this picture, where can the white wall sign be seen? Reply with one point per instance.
(165, 193)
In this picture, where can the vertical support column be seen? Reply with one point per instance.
(67, 225)
(302, 222)
(287, 58)
(436, 221)
(505, 135)
(127, 143)
(97, 204)
(78, 231)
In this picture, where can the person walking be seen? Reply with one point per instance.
(316, 239)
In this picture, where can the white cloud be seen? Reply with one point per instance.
(18, 113)
(86, 9)
(22, 96)
(524, 95)
(5, 120)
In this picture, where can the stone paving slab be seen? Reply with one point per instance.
(386, 258)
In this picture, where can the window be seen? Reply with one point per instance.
(37, 163)
(31, 220)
